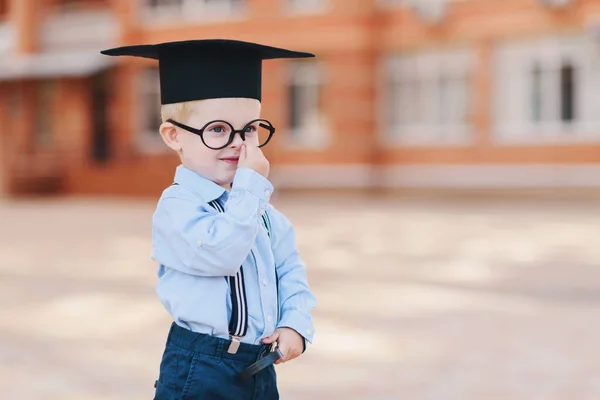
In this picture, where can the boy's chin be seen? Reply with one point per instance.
(225, 179)
(219, 176)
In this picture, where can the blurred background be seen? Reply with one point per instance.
(440, 160)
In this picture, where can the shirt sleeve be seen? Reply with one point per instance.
(296, 298)
(190, 237)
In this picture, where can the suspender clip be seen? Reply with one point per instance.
(235, 344)
(273, 347)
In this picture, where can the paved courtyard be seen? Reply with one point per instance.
(417, 299)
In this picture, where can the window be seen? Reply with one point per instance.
(307, 6)
(542, 106)
(392, 3)
(427, 97)
(149, 111)
(567, 92)
(165, 4)
(171, 10)
(411, 3)
(78, 25)
(307, 125)
(546, 89)
(536, 93)
(77, 5)
(7, 37)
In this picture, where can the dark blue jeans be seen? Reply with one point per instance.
(196, 366)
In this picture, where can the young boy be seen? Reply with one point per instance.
(229, 271)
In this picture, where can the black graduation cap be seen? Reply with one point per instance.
(207, 69)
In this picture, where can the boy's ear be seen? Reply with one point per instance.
(168, 132)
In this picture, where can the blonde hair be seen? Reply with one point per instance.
(179, 112)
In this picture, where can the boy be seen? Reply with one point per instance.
(229, 271)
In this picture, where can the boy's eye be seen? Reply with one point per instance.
(250, 128)
(218, 129)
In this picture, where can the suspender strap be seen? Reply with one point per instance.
(238, 324)
(267, 223)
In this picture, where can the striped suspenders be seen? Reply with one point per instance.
(238, 324)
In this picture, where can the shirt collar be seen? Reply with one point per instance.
(198, 184)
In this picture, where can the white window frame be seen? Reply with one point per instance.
(424, 70)
(147, 140)
(307, 7)
(193, 11)
(512, 90)
(315, 132)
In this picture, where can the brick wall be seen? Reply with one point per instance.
(351, 39)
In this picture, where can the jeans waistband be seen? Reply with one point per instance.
(213, 346)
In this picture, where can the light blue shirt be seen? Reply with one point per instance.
(196, 247)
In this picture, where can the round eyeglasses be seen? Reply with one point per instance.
(219, 134)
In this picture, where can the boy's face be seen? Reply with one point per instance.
(217, 165)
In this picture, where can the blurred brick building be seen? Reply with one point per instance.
(405, 93)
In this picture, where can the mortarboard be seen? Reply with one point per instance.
(207, 69)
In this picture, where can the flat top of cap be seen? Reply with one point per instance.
(218, 46)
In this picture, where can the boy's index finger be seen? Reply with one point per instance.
(251, 147)
(247, 149)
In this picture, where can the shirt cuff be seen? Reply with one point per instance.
(297, 321)
(253, 182)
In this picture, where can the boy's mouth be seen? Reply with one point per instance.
(230, 160)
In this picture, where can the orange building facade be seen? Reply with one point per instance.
(433, 94)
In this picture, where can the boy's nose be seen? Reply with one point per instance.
(237, 140)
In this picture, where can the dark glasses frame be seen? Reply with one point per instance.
(200, 132)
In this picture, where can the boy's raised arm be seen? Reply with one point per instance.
(190, 237)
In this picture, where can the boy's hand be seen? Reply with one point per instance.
(290, 343)
(252, 157)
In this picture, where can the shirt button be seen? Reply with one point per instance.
(268, 192)
(308, 331)
(262, 211)
(199, 243)
(269, 318)
(264, 282)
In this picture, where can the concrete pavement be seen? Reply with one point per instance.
(417, 299)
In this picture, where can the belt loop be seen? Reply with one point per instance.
(219, 348)
(172, 331)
